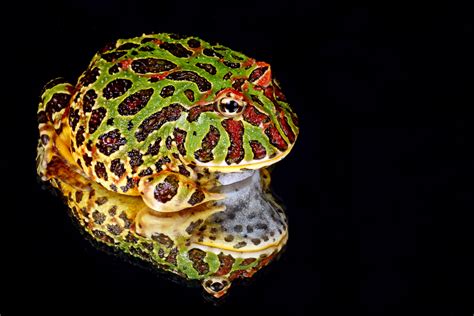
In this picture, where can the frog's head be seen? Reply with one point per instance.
(246, 121)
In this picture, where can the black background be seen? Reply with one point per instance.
(379, 187)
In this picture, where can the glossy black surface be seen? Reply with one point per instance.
(379, 187)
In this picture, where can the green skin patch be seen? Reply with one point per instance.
(160, 116)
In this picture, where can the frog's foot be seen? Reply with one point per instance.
(171, 192)
(54, 158)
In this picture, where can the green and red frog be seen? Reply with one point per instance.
(161, 150)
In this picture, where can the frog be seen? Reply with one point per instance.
(162, 150)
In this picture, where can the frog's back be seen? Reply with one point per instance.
(131, 89)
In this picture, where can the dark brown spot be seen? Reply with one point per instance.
(146, 172)
(227, 76)
(90, 76)
(73, 118)
(89, 100)
(197, 257)
(257, 73)
(209, 142)
(112, 56)
(87, 160)
(117, 167)
(207, 67)
(275, 138)
(167, 91)
(113, 210)
(237, 84)
(193, 226)
(114, 69)
(58, 102)
(240, 245)
(238, 228)
(131, 183)
(196, 111)
(231, 64)
(163, 239)
(42, 118)
(229, 238)
(156, 120)
(96, 118)
(126, 221)
(79, 195)
(196, 197)
(255, 241)
(110, 121)
(80, 136)
(180, 138)
(202, 83)
(135, 102)
(258, 150)
(98, 217)
(127, 46)
(152, 65)
(135, 159)
(235, 130)
(101, 201)
(285, 127)
(114, 229)
(211, 53)
(177, 50)
(189, 94)
(154, 148)
(194, 43)
(226, 263)
(100, 170)
(110, 142)
(247, 261)
(172, 256)
(167, 189)
(102, 236)
(116, 88)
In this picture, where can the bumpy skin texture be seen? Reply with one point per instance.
(160, 116)
(132, 89)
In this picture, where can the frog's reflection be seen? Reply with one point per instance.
(212, 244)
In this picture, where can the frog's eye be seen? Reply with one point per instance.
(230, 107)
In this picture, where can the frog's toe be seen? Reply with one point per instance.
(172, 192)
(216, 286)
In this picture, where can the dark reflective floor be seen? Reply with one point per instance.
(378, 188)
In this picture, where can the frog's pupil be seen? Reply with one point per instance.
(231, 106)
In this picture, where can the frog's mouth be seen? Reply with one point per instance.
(245, 165)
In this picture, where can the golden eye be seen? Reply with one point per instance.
(231, 107)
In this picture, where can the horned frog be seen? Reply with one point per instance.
(161, 151)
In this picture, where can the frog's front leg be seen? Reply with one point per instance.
(54, 159)
(169, 191)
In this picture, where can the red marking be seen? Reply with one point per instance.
(235, 129)
(249, 62)
(258, 150)
(126, 63)
(157, 41)
(253, 116)
(266, 77)
(279, 94)
(195, 111)
(161, 76)
(275, 138)
(229, 92)
(285, 127)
